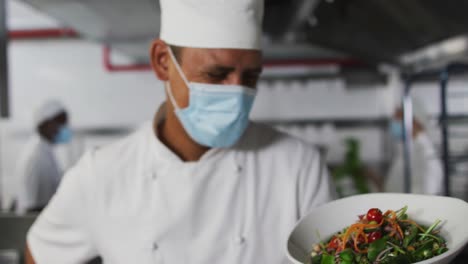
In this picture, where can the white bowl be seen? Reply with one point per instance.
(334, 216)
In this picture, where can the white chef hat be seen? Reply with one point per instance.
(230, 24)
(419, 112)
(47, 111)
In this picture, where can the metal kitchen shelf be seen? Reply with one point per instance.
(455, 119)
(458, 94)
(337, 122)
(460, 158)
(445, 120)
(458, 135)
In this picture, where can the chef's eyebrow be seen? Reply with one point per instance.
(219, 68)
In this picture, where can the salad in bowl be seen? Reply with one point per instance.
(381, 228)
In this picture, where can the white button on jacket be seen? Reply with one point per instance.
(136, 202)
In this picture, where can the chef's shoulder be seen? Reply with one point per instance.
(268, 141)
(116, 158)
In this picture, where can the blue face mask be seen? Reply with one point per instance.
(396, 129)
(63, 136)
(217, 115)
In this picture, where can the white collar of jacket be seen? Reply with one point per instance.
(168, 155)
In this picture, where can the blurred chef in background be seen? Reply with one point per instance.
(38, 172)
(426, 167)
(199, 183)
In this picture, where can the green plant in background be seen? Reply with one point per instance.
(352, 170)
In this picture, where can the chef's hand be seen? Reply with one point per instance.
(28, 257)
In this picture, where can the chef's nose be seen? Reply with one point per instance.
(234, 78)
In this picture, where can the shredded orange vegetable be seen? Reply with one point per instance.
(393, 220)
(356, 240)
(364, 231)
(413, 223)
(391, 212)
(358, 230)
(399, 230)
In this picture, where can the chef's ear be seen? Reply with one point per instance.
(160, 59)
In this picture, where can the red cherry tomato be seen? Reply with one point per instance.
(374, 214)
(374, 236)
(334, 243)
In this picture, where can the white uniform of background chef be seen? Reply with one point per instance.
(426, 167)
(199, 184)
(38, 173)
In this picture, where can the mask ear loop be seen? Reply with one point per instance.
(182, 75)
(179, 69)
(171, 97)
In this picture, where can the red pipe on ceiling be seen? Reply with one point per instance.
(312, 62)
(41, 33)
(108, 65)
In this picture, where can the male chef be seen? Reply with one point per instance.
(200, 183)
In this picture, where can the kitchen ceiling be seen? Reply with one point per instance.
(372, 30)
(382, 30)
(130, 26)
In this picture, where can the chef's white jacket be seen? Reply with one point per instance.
(426, 169)
(38, 175)
(135, 201)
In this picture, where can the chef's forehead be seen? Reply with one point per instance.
(233, 58)
(178, 51)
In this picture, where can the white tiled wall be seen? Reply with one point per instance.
(72, 71)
